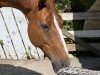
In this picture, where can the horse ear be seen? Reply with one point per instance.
(41, 4)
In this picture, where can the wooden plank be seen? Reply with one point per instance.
(75, 47)
(40, 53)
(13, 31)
(2, 55)
(8, 49)
(22, 24)
(80, 15)
(81, 43)
(85, 33)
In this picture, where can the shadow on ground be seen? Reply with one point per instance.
(6, 69)
(88, 60)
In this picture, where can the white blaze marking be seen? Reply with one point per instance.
(60, 33)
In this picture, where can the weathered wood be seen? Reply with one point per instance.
(8, 49)
(93, 24)
(81, 43)
(13, 31)
(22, 24)
(80, 15)
(86, 33)
(2, 55)
(14, 24)
(75, 47)
(40, 53)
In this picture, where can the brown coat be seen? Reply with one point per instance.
(41, 28)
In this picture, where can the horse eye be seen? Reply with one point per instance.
(44, 26)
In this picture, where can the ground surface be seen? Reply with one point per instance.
(32, 67)
(26, 67)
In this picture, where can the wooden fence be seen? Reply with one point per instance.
(14, 41)
(75, 35)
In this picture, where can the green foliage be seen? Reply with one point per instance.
(76, 5)
(1, 42)
(73, 25)
(81, 5)
(73, 6)
(62, 4)
(68, 25)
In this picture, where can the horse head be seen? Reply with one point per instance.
(43, 28)
(43, 33)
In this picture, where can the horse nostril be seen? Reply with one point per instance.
(66, 63)
(44, 26)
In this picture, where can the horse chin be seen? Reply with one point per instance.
(57, 65)
(58, 57)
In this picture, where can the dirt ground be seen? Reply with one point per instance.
(44, 67)
(26, 67)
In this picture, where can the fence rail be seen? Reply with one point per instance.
(75, 35)
(80, 15)
(86, 33)
(76, 47)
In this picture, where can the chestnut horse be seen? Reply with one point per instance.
(43, 28)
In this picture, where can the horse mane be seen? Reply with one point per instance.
(22, 4)
(51, 5)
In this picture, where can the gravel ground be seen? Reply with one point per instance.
(44, 67)
(77, 71)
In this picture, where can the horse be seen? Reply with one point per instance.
(44, 28)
